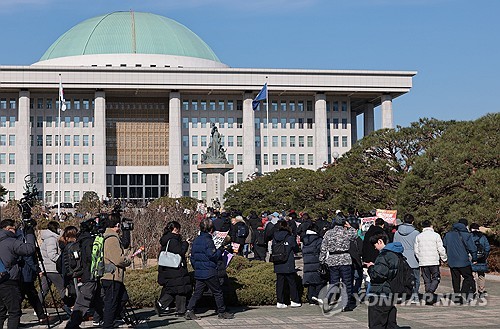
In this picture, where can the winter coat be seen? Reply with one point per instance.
(222, 224)
(11, 249)
(233, 233)
(355, 249)
(369, 252)
(204, 257)
(86, 241)
(310, 255)
(458, 249)
(30, 268)
(482, 264)
(174, 280)
(50, 250)
(254, 221)
(429, 248)
(116, 255)
(302, 229)
(406, 234)
(384, 269)
(291, 247)
(335, 246)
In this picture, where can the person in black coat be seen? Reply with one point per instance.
(310, 255)
(285, 272)
(175, 282)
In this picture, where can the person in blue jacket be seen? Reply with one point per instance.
(481, 267)
(204, 258)
(459, 245)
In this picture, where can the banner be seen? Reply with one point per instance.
(387, 215)
(218, 238)
(366, 222)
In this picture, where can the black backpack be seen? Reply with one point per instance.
(481, 253)
(403, 282)
(260, 237)
(242, 231)
(279, 252)
(73, 260)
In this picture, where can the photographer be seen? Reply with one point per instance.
(11, 249)
(115, 260)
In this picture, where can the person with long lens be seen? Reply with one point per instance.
(51, 252)
(11, 250)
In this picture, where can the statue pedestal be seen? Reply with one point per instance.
(216, 182)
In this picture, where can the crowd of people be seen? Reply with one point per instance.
(335, 251)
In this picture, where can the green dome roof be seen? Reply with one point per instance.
(129, 33)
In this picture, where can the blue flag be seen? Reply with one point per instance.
(260, 96)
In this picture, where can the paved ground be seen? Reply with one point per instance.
(480, 315)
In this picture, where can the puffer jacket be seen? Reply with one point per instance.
(50, 250)
(384, 269)
(310, 255)
(429, 248)
(335, 246)
(459, 244)
(406, 234)
(482, 264)
(11, 249)
(116, 255)
(204, 257)
(174, 280)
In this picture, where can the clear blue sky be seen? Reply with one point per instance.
(453, 44)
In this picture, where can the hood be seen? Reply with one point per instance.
(310, 238)
(5, 233)
(47, 234)
(394, 247)
(460, 227)
(281, 235)
(406, 229)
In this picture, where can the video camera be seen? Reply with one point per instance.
(126, 224)
(28, 201)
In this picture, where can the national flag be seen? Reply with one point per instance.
(260, 96)
(62, 101)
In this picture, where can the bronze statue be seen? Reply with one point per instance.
(215, 153)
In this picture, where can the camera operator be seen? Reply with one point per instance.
(11, 249)
(115, 260)
(90, 288)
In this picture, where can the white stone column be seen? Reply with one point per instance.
(369, 119)
(174, 146)
(320, 130)
(354, 128)
(99, 148)
(387, 121)
(248, 136)
(22, 167)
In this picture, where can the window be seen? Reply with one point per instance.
(39, 103)
(239, 122)
(3, 140)
(3, 121)
(230, 105)
(257, 123)
(266, 159)
(275, 159)
(3, 158)
(12, 104)
(301, 141)
(284, 159)
(194, 140)
(76, 159)
(221, 105)
(230, 158)
(67, 177)
(257, 160)
(185, 178)
(93, 140)
(85, 104)
(194, 159)
(194, 105)
(194, 177)
(344, 123)
(39, 177)
(230, 122)
(2, 177)
(335, 106)
(67, 121)
(76, 178)
(76, 140)
(67, 158)
(185, 141)
(194, 122)
(344, 141)
(67, 140)
(76, 103)
(265, 141)
(85, 178)
(344, 106)
(76, 196)
(239, 159)
(328, 106)
(310, 160)
(185, 123)
(48, 177)
(301, 123)
(230, 177)
(293, 161)
(301, 160)
(309, 106)
(275, 123)
(48, 140)
(274, 141)
(203, 141)
(56, 157)
(212, 105)
(283, 141)
(309, 123)
(239, 141)
(283, 123)
(39, 122)
(48, 158)
(12, 180)
(12, 158)
(56, 177)
(39, 159)
(292, 106)
(185, 159)
(283, 106)
(257, 141)
(203, 178)
(48, 121)
(85, 159)
(3, 103)
(203, 105)
(203, 122)
(292, 123)
(300, 106)
(335, 141)
(85, 140)
(335, 123)
(310, 141)
(85, 122)
(292, 141)
(185, 105)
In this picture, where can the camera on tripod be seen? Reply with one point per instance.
(27, 202)
(126, 224)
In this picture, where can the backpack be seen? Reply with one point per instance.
(260, 237)
(279, 252)
(403, 282)
(97, 265)
(481, 253)
(242, 231)
(73, 260)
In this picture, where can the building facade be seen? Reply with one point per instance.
(141, 91)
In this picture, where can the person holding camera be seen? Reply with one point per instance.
(11, 250)
(175, 282)
(116, 261)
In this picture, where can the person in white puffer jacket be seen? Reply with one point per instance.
(428, 250)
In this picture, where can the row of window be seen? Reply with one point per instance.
(4, 120)
(65, 122)
(67, 159)
(71, 104)
(50, 177)
(53, 140)
(11, 103)
(3, 140)
(53, 197)
(11, 156)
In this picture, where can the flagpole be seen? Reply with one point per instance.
(59, 153)
(267, 118)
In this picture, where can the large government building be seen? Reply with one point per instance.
(140, 93)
